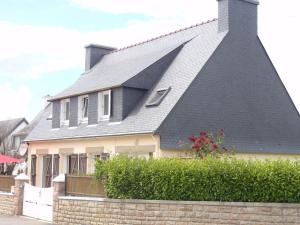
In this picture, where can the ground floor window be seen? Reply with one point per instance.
(33, 170)
(102, 156)
(140, 155)
(77, 164)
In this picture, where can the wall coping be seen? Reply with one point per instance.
(6, 193)
(22, 177)
(61, 178)
(138, 201)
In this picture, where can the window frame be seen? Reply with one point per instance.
(81, 117)
(101, 107)
(158, 101)
(64, 121)
(77, 163)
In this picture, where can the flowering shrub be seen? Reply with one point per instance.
(208, 143)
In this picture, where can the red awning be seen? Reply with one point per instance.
(8, 159)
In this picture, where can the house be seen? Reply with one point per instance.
(9, 141)
(142, 99)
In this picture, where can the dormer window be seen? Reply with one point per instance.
(158, 97)
(104, 105)
(65, 112)
(83, 108)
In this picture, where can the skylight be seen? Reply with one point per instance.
(158, 97)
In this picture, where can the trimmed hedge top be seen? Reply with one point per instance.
(201, 180)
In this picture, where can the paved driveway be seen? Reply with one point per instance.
(20, 220)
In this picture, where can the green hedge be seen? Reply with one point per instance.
(201, 180)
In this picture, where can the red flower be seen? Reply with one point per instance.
(199, 140)
(206, 141)
(214, 146)
(192, 138)
(196, 146)
(203, 133)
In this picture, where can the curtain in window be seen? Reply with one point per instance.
(67, 110)
(55, 166)
(33, 170)
(47, 171)
(85, 107)
(73, 164)
(82, 163)
(106, 104)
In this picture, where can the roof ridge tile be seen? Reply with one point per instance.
(163, 35)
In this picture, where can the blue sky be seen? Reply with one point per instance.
(62, 13)
(42, 42)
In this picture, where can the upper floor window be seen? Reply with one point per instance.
(83, 107)
(104, 105)
(65, 112)
(158, 97)
(15, 142)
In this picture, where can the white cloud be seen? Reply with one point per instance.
(44, 49)
(278, 22)
(176, 9)
(14, 101)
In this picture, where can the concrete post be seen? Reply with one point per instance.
(20, 181)
(58, 190)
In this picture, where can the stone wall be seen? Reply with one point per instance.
(7, 206)
(79, 210)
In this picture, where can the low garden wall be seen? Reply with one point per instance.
(7, 206)
(80, 210)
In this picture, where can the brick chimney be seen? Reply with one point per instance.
(94, 54)
(238, 16)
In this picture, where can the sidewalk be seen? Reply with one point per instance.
(20, 220)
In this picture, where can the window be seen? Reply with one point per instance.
(83, 108)
(104, 156)
(15, 142)
(104, 105)
(65, 111)
(73, 164)
(158, 97)
(77, 164)
(33, 170)
(50, 169)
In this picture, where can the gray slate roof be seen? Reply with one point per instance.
(117, 67)
(26, 130)
(8, 126)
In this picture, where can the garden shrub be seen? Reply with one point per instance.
(209, 179)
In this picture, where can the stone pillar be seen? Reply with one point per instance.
(58, 190)
(20, 181)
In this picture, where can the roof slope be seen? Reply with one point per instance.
(8, 126)
(26, 130)
(117, 67)
(245, 97)
(127, 63)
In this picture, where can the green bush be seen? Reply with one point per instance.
(201, 180)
